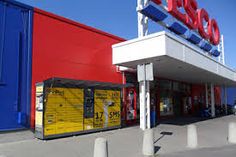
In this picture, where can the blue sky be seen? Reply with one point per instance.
(119, 17)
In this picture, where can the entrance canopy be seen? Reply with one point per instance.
(173, 58)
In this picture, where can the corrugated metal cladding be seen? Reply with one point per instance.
(15, 64)
(66, 49)
(60, 48)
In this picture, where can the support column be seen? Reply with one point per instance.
(148, 106)
(145, 74)
(225, 100)
(144, 89)
(206, 95)
(142, 99)
(142, 20)
(140, 25)
(212, 101)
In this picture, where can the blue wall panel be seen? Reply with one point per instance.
(231, 95)
(15, 65)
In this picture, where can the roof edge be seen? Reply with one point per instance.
(19, 4)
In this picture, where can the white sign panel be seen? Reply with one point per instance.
(145, 72)
(149, 72)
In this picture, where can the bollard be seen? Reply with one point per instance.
(192, 141)
(232, 133)
(148, 143)
(100, 148)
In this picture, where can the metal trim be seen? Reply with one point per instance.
(29, 65)
(2, 43)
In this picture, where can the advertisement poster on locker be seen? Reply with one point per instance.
(107, 108)
(39, 107)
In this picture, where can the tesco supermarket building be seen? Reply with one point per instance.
(187, 75)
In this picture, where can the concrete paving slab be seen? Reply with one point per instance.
(127, 142)
(225, 151)
(8, 137)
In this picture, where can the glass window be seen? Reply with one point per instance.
(176, 86)
(166, 106)
(165, 84)
(166, 103)
(188, 88)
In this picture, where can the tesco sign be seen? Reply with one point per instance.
(194, 18)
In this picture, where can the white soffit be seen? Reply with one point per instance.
(173, 58)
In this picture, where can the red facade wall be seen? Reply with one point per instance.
(199, 92)
(65, 49)
(217, 95)
(198, 98)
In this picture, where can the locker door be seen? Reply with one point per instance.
(10, 57)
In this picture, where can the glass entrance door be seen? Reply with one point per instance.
(177, 104)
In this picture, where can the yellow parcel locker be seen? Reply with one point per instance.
(49, 126)
(75, 93)
(99, 117)
(68, 107)
(49, 130)
(88, 123)
(74, 103)
(54, 95)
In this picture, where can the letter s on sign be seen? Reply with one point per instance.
(173, 8)
(203, 16)
(191, 7)
(214, 32)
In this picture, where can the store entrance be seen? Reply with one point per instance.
(177, 100)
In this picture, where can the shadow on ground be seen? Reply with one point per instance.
(163, 134)
(156, 149)
(181, 121)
